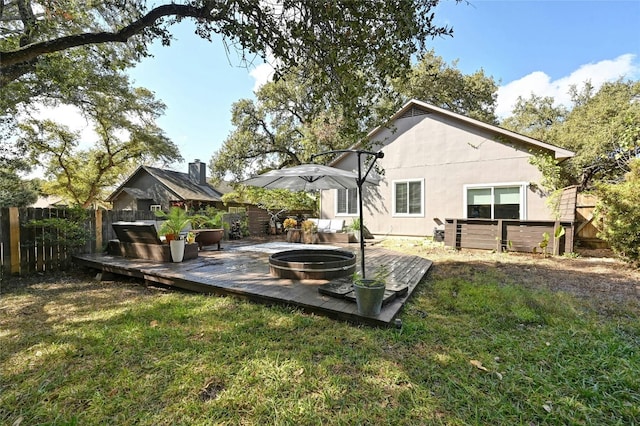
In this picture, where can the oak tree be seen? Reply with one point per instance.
(126, 136)
(337, 37)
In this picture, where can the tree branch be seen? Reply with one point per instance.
(34, 50)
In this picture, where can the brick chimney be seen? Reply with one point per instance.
(198, 172)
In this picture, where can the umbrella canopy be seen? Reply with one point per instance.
(308, 177)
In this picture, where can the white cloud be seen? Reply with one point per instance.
(541, 84)
(262, 74)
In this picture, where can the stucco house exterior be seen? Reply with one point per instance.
(438, 165)
(151, 188)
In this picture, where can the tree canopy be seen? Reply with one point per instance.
(126, 136)
(434, 81)
(337, 37)
(602, 128)
(286, 123)
(283, 127)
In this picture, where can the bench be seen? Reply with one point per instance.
(332, 231)
(140, 240)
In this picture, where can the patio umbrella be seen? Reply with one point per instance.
(308, 177)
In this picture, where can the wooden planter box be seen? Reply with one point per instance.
(157, 252)
(140, 240)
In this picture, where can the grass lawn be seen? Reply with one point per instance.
(491, 339)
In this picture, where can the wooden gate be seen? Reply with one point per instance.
(587, 227)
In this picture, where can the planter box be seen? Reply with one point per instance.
(140, 240)
(157, 252)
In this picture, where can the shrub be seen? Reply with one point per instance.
(290, 223)
(618, 210)
(69, 231)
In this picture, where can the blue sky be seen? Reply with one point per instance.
(528, 47)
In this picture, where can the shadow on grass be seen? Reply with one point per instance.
(91, 352)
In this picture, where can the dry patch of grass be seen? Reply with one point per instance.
(593, 275)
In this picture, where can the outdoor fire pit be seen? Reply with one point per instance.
(312, 264)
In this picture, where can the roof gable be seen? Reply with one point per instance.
(415, 108)
(178, 183)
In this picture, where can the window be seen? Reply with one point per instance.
(237, 210)
(347, 201)
(155, 207)
(495, 202)
(408, 197)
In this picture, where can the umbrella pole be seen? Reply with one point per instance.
(360, 214)
(360, 183)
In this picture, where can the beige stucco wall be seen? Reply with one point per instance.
(448, 155)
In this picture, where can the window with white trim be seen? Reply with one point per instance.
(495, 201)
(347, 201)
(155, 207)
(408, 197)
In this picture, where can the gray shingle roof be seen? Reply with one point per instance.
(183, 186)
(179, 183)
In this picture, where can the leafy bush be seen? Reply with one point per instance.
(620, 215)
(69, 231)
(208, 218)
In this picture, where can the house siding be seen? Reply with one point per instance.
(447, 154)
(156, 190)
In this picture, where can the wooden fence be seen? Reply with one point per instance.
(25, 248)
(511, 235)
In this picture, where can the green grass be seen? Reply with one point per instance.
(76, 351)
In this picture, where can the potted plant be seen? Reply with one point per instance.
(293, 234)
(191, 238)
(174, 222)
(370, 292)
(209, 218)
(209, 227)
(355, 228)
(309, 231)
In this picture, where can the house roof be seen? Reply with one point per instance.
(179, 183)
(416, 107)
(49, 201)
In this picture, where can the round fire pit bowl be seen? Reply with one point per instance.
(318, 264)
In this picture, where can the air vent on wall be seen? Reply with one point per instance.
(414, 112)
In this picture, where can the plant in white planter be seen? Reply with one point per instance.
(370, 291)
(175, 221)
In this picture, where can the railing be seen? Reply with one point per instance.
(508, 235)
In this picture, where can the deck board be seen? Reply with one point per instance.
(240, 272)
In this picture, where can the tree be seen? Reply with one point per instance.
(282, 127)
(379, 36)
(602, 128)
(14, 191)
(536, 117)
(434, 81)
(127, 136)
(618, 209)
(604, 131)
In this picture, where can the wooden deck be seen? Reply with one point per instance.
(242, 269)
